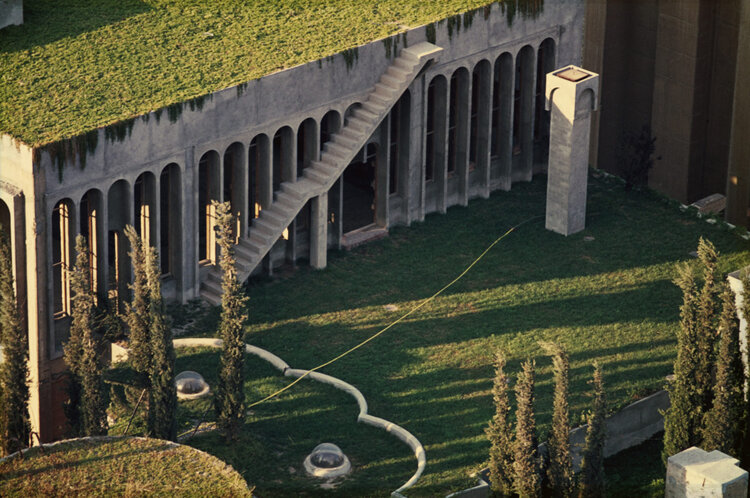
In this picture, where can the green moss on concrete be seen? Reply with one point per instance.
(75, 66)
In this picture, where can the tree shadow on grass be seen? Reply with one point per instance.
(46, 21)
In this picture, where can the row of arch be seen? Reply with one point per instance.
(481, 125)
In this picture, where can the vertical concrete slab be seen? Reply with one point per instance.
(694, 472)
(571, 94)
(319, 231)
(738, 180)
(735, 283)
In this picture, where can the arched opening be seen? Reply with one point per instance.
(283, 167)
(435, 128)
(545, 63)
(259, 193)
(5, 222)
(91, 227)
(144, 203)
(208, 190)
(350, 110)
(502, 111)
(118, 262)
(523, 114)
(359, 189)
(329, 125)
(307, 144)
(170, 220)
(399, 143)
(457, 121)
(234, 185)
(63, 254)
(480, 119)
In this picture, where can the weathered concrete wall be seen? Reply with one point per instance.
(738, 181)
(11, 12)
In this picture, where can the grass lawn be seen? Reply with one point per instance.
(119, 467)
(77, 65)
(605, 293)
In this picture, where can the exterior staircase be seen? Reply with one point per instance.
(319, 176)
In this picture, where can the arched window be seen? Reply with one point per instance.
(63, 233)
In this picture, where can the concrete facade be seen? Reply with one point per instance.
(467, 123)
(672, 66)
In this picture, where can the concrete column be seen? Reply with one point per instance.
(528, 79)
(695, 472)
(189, 235)
(440, 173)
(484, 126)
(738, 178)
(415, 186)
(571, 94)
(463, 111)
(504, 130)
(319, 231)
(382, 174)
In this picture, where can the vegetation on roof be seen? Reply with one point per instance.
(75, 66)
(118, 467)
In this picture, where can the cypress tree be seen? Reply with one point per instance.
(707, 321)
(745, 310)
(560, 470)
(682, 420)
(722, 428)
(85, 347)
(136, 312)
(592, 462)
(14, 370)
(500, 433)
(527, 481)
(230, 394)
(162, 411)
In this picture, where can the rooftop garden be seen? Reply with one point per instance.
(118, 467)
(75, 66)
(605, 293)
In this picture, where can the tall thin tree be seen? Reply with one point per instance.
(682, 421)
(500, 433)
(723, 424)
(745, 313)
(85, 347)
(527, 481)
(560, 469)
(162, 412)
(591, 483)
(229, 400)
(707, 322)
(136, 312)
(14, 370)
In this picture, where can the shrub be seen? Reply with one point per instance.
(560, 469)
(591, 483)
(500, 433)
(527, 481)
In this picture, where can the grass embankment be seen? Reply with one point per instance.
(605, 293)
(74, 65)
(118, 467)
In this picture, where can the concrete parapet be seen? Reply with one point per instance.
(695, 472)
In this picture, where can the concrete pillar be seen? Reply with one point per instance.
(382, 174)
(483, 73)
(461, 145)
(571, 94)
(527, 59)
(694, 473)
(319, 231)
(504, 138)
(738, 178)
(189, 234)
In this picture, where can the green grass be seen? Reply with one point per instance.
(609, 299)
(76, 65)
(637, 471)
(119, 467)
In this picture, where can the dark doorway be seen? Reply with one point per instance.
(359, 190)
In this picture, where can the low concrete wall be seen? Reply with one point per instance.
(629, 427)
(11, 12)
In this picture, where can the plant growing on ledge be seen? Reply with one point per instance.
(229, 401)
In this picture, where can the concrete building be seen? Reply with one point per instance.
(323, 154)
(679, 67)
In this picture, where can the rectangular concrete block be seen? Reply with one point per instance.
(695, 472)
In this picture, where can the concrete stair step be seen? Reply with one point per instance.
(379, 98)
(366, 115)
(355, 135)
(345, 141)
(391, 82)
(405, 64)
(401, 74)
(210, 297)
(213, 286)
(321, 176)
(337, 150)
(274, 215)
(286, 201)
(358, 124)
(374, 108)
(293, 189)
